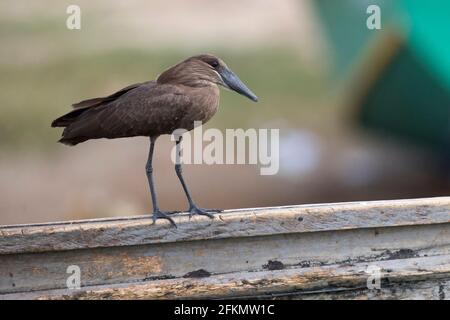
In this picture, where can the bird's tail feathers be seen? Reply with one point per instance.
(72, 141)
(68, 118)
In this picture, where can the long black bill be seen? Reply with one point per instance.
(234, 83)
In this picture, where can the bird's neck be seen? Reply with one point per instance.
(189, 77)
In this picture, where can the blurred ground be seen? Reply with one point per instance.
(277, 48)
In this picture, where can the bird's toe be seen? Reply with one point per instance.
(163, 215)
(202, 212)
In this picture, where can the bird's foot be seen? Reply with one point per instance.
(158, 214)
(202, 212)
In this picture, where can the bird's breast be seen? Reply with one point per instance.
(204, 104)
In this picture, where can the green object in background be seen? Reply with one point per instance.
(429, 36)
(410, 96)
(409, 102)
(344, 22)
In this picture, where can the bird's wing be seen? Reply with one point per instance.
(83, 106)
(144, 112)
(102, 100)
(147, 110)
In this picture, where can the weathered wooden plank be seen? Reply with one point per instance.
(229, 224)
(47, 270)
(413, 290)
(298, 252)
(276, 283)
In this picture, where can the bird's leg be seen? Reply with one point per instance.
(193, 208)
(157, 213)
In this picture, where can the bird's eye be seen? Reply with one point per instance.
(214, 63)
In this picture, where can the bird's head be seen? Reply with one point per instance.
(205, 70)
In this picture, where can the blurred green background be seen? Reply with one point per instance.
(352, 110)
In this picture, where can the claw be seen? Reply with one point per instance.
(163, 215)
(202, 212)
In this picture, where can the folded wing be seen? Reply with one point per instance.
(144, 109)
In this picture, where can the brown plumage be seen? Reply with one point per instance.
(182, 94)
(185, 93)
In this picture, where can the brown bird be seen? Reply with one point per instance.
(184, 93)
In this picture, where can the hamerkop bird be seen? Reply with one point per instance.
(184, 93)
